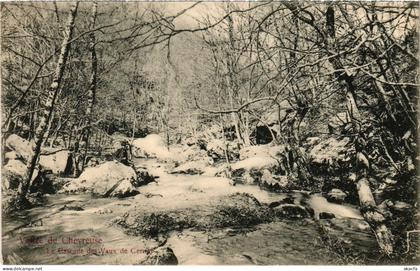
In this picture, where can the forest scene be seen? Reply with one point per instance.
(221, 133)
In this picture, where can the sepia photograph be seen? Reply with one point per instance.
(226, 133)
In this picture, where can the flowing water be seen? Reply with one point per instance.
(49, 235)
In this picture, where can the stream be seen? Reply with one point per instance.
(87, 236)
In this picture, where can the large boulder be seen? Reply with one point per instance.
(191, 160)
(239, 210)
(152, 146)
(329, 151)
(329, 161)
(117, 143)
(291, 211)
(218, 148)
(14, 173)
(248, 170)
(52, 159)
(22, 148)
(276, 182)
(16, 168)
(110, 179)
(55, 161)
(19, 152)
(263, 165)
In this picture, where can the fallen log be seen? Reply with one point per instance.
(374, 217)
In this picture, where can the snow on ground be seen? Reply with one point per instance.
(151, 146)
(191, 167)
(257, 162)
(261, 150)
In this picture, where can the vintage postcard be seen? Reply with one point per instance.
(209, 133)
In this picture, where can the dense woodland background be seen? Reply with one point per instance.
(78, 76)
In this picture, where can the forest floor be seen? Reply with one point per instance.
(284, 241)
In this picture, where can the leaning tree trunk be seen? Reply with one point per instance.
(368, 206)
(371, 214)
(45, 115)
(92, 86)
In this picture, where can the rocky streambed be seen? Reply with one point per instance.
(188, 219)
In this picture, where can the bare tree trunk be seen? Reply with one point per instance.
(76, 155)
(243, 126)
(279, 136)
(232, 86)
(133, 132)
(31, 123)
(226, 151)
(235, 120)
(50, 100)
(167, 135)
(93, 78)
(101, 136)
(70, 137)
(48, 132)
(56, 131)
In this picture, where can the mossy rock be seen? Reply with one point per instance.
(238, 210)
